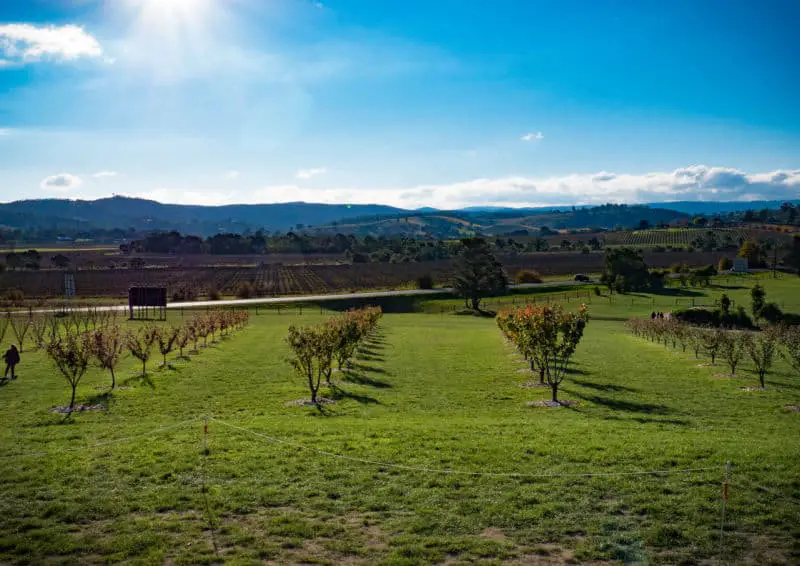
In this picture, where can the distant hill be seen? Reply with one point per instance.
(502, 221)
(122, 213)
(711, 208)
(140, 214)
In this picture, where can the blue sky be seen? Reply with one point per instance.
(417, 103)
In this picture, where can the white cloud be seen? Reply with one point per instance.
(309, 173)
(695, 183)
(61, 182)
(105, 174)
(25, 43)
(533, 136)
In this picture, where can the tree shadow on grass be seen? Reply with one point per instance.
(140, 379)
(648, 420)
(572, 370)
(369, 358)
(104, 399)
(678, 292)
(628, 406)
(337, 394)
(370, 350)
(360, 379)
(729, 287)
(367, 369)
(603, 386)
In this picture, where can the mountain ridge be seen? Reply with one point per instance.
(128, 213)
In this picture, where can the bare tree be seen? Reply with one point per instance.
(166, 338)
(20, 326)
(711, 341)
(762, 346)
(732, 348)
(140, 344)
(184, 336)
(39, 325)
(107, 347)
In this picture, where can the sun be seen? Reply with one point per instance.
(172, 15)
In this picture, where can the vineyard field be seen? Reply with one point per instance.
(670, 237)
(272, 280)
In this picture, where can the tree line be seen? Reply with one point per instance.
(315, 349)
(75, 341)
(731, 346)
(547, 336)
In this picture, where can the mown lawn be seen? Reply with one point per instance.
(430, 393)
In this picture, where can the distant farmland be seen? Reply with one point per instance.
(201, 276)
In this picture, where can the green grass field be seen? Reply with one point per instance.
(367, 482)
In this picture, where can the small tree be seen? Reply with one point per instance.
(107, 348)
(556, 334)
(166, 338)
(791, 347)
(732, 348)
(711, 342)
(696, 340)
(140, 344)
(20, 327)
(326, 346)
(725, 304)
(761, 346)
(71, 354)
(184, 337)
(303, 343)
(758, 300)
(478, 273)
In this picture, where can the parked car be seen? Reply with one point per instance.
(582, 278)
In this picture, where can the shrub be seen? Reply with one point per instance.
(425, 282)
(245, 291)
(184, 293)
(214, 294)
(528, 276)
(771, 313)
(698, 316)
(725, 264)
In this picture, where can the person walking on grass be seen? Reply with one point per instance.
(11, 357)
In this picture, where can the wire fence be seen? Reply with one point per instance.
(733, 539)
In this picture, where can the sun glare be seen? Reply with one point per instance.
(171, 12)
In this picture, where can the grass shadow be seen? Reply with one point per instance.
(337, 394)
(140, 379)
(360, 379)
(649, 420)
(104, 399)
(365, 368)
(677, 292)
(575, 371)
(627, 406)
(603, 386)
(370, 350)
